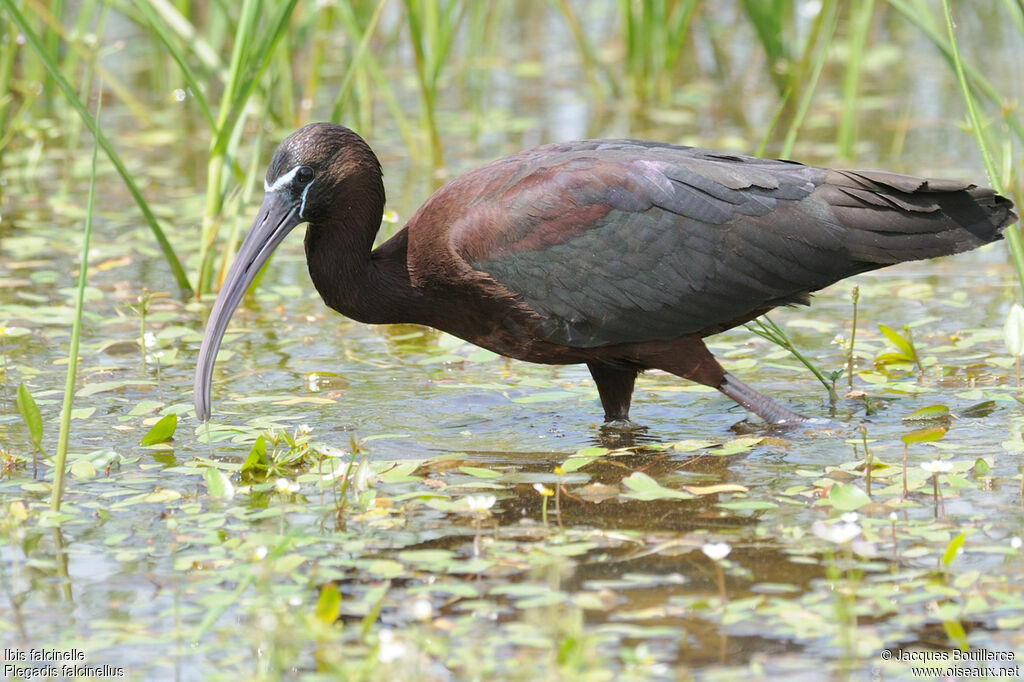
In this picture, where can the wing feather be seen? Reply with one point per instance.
(622, 241)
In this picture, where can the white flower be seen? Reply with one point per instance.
(390, 650)
(543, 489)
(849, 517)
(1016, 542)
(305, 428)
(284, 486)
(260, 553)
(479, 503)
(839, 533)
(937, 466)
(716, 551)
(421, 609)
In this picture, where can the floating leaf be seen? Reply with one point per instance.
(144, 406)
(643, 487)
(982, 409)
(82, 469)
(981, 467)
(82, 412)
(521, 590)
(930, 413)
(925, 435)
(748, 505)
(736, 446)
(218, 485)
(480, 472)
(288, 563)
(717, 488)
(582, 458)
(162, 431)
(575, 463)
(328, 605)
(30, 413)
(846, 497)
(401, 472)
(103, 386)
(1013, 330)
(157, 496)
(690, 445)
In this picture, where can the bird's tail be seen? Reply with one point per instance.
(895, 218)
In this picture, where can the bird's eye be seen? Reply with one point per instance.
(304, 175)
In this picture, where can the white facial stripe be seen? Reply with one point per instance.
(302, 207)
(281, 181)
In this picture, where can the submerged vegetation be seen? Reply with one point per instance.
(392, 502)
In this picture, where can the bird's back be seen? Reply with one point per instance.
(606, 242)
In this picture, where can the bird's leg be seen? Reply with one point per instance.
(615, 386)
(690, 358)
(760, 404)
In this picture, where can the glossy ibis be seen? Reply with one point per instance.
(621, 254)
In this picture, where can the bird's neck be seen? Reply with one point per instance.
(364, 285)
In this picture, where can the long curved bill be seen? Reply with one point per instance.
(278, 215)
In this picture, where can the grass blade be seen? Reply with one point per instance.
(146, 8)
(978, 83)
(248, 64)
(357, 58)
(165, 246)
(857, 41)
(1012, 236)
(60, 462)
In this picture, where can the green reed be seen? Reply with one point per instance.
(8, 115)
(804, 78)
(767, 18)
(161, 25)
(919, 13)
(980, 132)
(432, 28)
(860, 24)
(250, 57)
(72, 98)
(363, 68)
(254, 35)
(256, 58)
(655, 33)
(61, 456)
(766, 328)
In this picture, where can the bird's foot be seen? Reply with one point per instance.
(621, 433)
(800, 421)
(622, 426)
(776, 415)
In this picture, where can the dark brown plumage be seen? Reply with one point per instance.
(621, 254)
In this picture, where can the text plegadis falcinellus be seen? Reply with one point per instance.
(621, 254)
